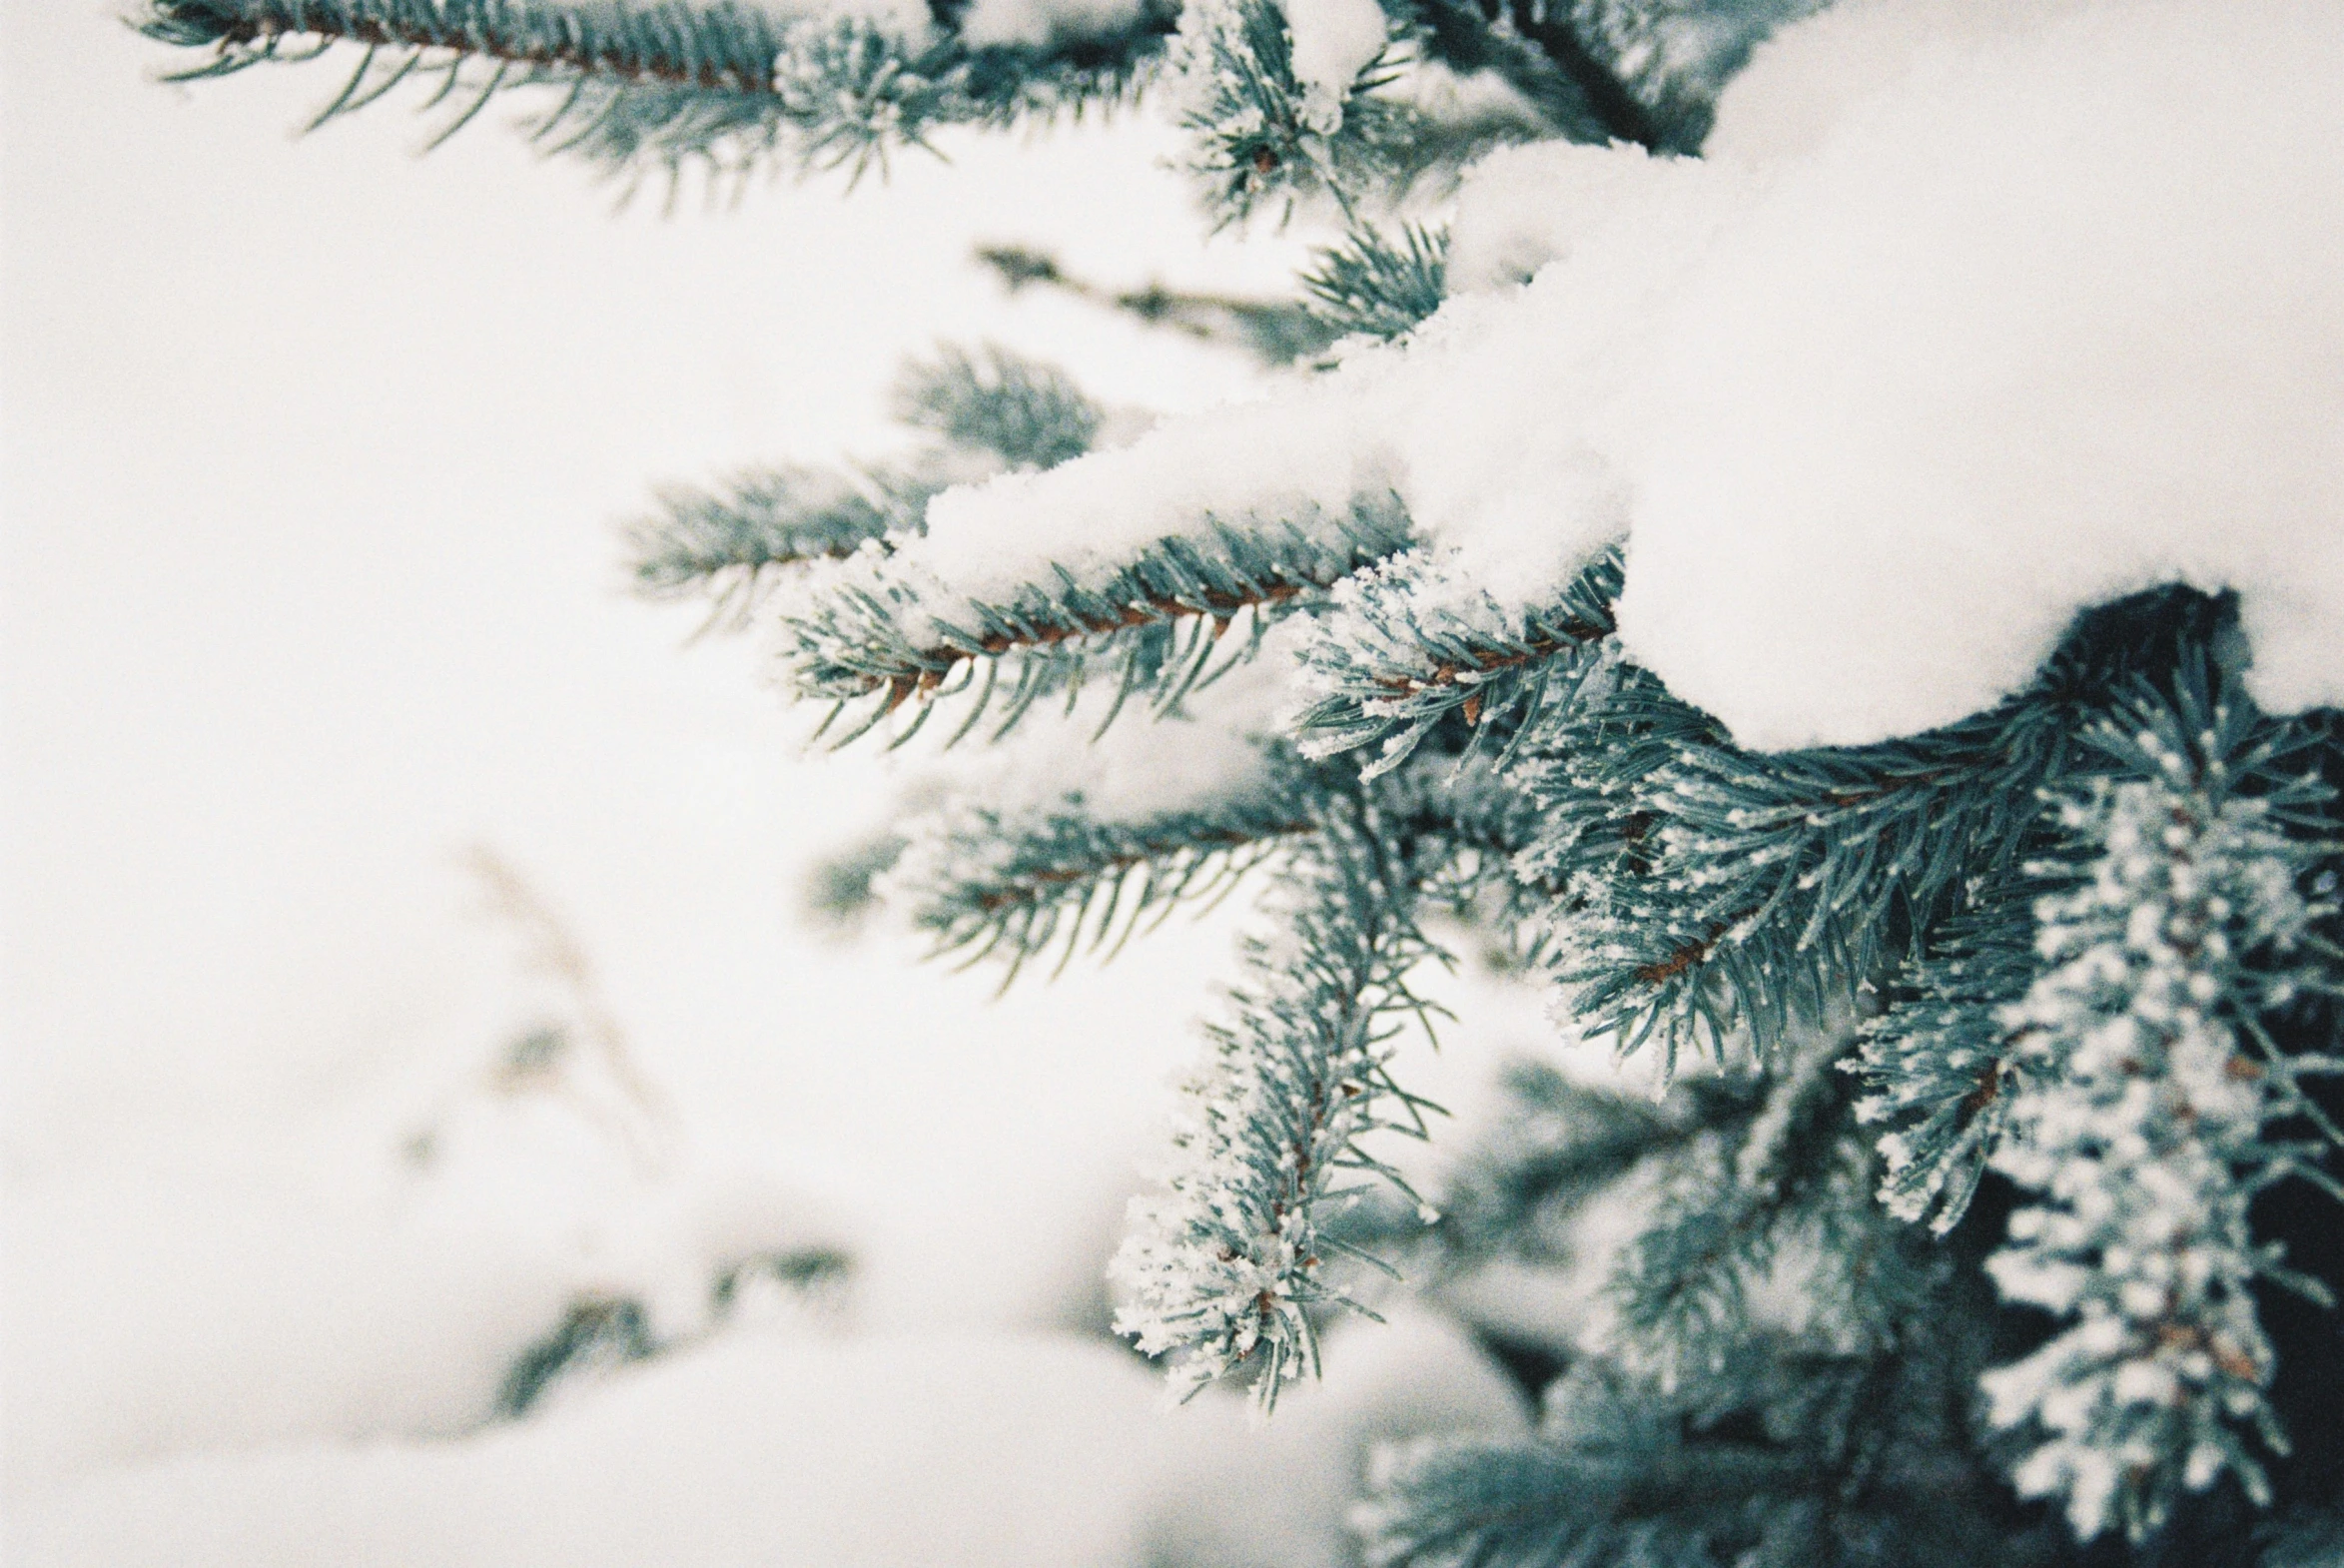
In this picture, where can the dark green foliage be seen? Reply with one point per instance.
(1377, 285)
(595, 1331)
(1783, 1458)
(2308, 1539)
(1392, 666)
(1275, 331)
(1787, 1376)
(1713, 892)
(658, 86)
(1029, 416)
(719, 542)
(1016, 883)
(1155, 624)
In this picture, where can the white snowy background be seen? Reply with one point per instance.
(312, 455)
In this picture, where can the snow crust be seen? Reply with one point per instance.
(1975, 317)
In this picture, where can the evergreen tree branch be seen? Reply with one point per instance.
(1607, 108)
(887, 632)
(667, 83)
(1498, 1505)
(721, 542)
(1560, 1144)
(1711, 891)
(986, 883)
(987, 408)
(1375, 285)
(2140, 1109)
(1027, 414)
(1782, 1458)
(1940, 1062)
(1787, 1181)
(1257, 135)
(1407, 646)
(991, 883)
(1224, 1268)
(1275, 331)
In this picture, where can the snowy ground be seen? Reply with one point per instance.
(311, 452)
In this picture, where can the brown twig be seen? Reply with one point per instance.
(1679, 962)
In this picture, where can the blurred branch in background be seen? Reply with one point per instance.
(1275, 331)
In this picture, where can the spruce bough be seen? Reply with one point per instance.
(2004, 1052)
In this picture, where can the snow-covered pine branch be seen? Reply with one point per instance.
(890, 626)
(1937, 1060)
(1407, 644)
(984, 410)
(1295, 97)
(1714, 890)
(1720, 572)
(720, 542)
(733, 84)
(988, 876)
(986, 881)
(2145, 1086)
(1225, 1268)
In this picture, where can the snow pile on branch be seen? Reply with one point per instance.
(1509, 480)
(1879, 395)
(2031, 328)
(1334, 40)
